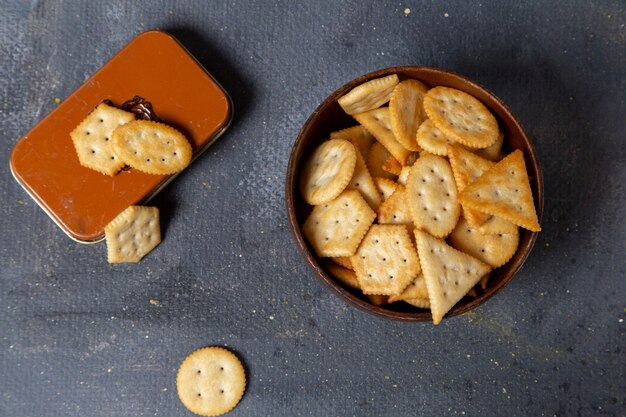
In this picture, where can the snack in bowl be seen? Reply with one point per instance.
(425, 180)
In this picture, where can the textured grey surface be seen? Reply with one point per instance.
(80, 337)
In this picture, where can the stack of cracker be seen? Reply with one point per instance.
(416, 203)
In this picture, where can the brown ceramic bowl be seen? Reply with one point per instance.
(329, 117)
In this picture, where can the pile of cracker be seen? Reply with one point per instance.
(417, 203)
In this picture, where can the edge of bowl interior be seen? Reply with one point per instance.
(329, 117)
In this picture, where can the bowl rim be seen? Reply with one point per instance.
(291, 187)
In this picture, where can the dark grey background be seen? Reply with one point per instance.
(79, 337)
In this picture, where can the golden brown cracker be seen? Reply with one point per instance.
(497, 225)
(385, 186)
(432, 140)
(493, 152)
(504, 191)
(395, 209)
(328, 171)
(358, 136)
(211, 381)
(337, 227)
(418, 302)
(378, 123)
(392, 166)
(406, 112)
(362, 181)
(345, 276)
(494, 250)
(369, 95)
(376, 157)
(343, 261)
(461, 117)
(416, 289)
(132, 234)
(92, 139)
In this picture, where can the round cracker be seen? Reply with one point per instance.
(493, 249)
(461, 117)
(432, 139)
(406, 112)
(328, 171)
(211, 381)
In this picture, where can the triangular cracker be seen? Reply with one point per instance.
(406, 112)
(385, 186)
(378, 123)
(449, 273)
(504, 191)
(362, 181)
(386, 261)
(466, 167)
(337, 227)
(416, 289)
(395, 210)
(369, 95)
(358, 136)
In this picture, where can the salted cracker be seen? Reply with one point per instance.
(418, 302)
(432, 195)
(392, 166)
(494, 250)
(92, 139)
(416, 289)
(132, 234)
(151, 147)
(345, 276)
(385, 186)
(461, 117)
(432, 140)
(378, 123)
(493, 152)
(328, 171)
(343, 261)
(337, 227)
(376, 157)
(362, 181)
(504, 191)
(395, 210)
(369, 95)
(358, 136)
(406, 112)
(211, 381)
(403, 177)
(496, 225)
(386, 261)
(449, 273)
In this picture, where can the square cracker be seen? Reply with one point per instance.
(386, 261)
(133, 234)
(378, 123)
(449, 273)
(92, 139)
(504, 191)
(337, 227)
(369, 95)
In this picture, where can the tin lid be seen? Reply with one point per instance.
(184, 95)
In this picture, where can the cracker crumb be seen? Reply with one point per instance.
(446, 15)
(57, 100)
(154, 302)
(407, 11)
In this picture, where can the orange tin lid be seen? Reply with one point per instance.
(184, 95)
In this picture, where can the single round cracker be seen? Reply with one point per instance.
(406, 112)
(211, 381)
(328, 171)
(494, 249)
(461, 117)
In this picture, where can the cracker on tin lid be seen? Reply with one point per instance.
(132, 234)
(151, 147)
(92, 139)
(466, 168)
(406, 112)
(378, 123)
(449, 273)
(336, 228)
(362, 181)
(461, 116)
(432, 140)
(416, 289)
(327, 172)
(432, 196)
(385, 186)
(344, 275)
(495, 249)
(369, 95)
(358, 136)
(211, 381)
(504, 191)
(376, 157)
(386, 261)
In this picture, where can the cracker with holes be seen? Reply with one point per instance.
(432, 139)
(151, 147)
(344, 275)
(336, 228)
(449, 273)
(385, 186)
(416, 289)
(466, 167)
(358, 136)
(395, 210)
(328, 171)
(343, 261)
(211, 381)
(497, 224)
(504, 191)
(92, 139)
(132, 234)
(432, 195)
(406, 112)
(362, 181)
(378, 123)
(461, 117)
(376, 158)
(386, 261)
(368, 96)
(494, 249)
